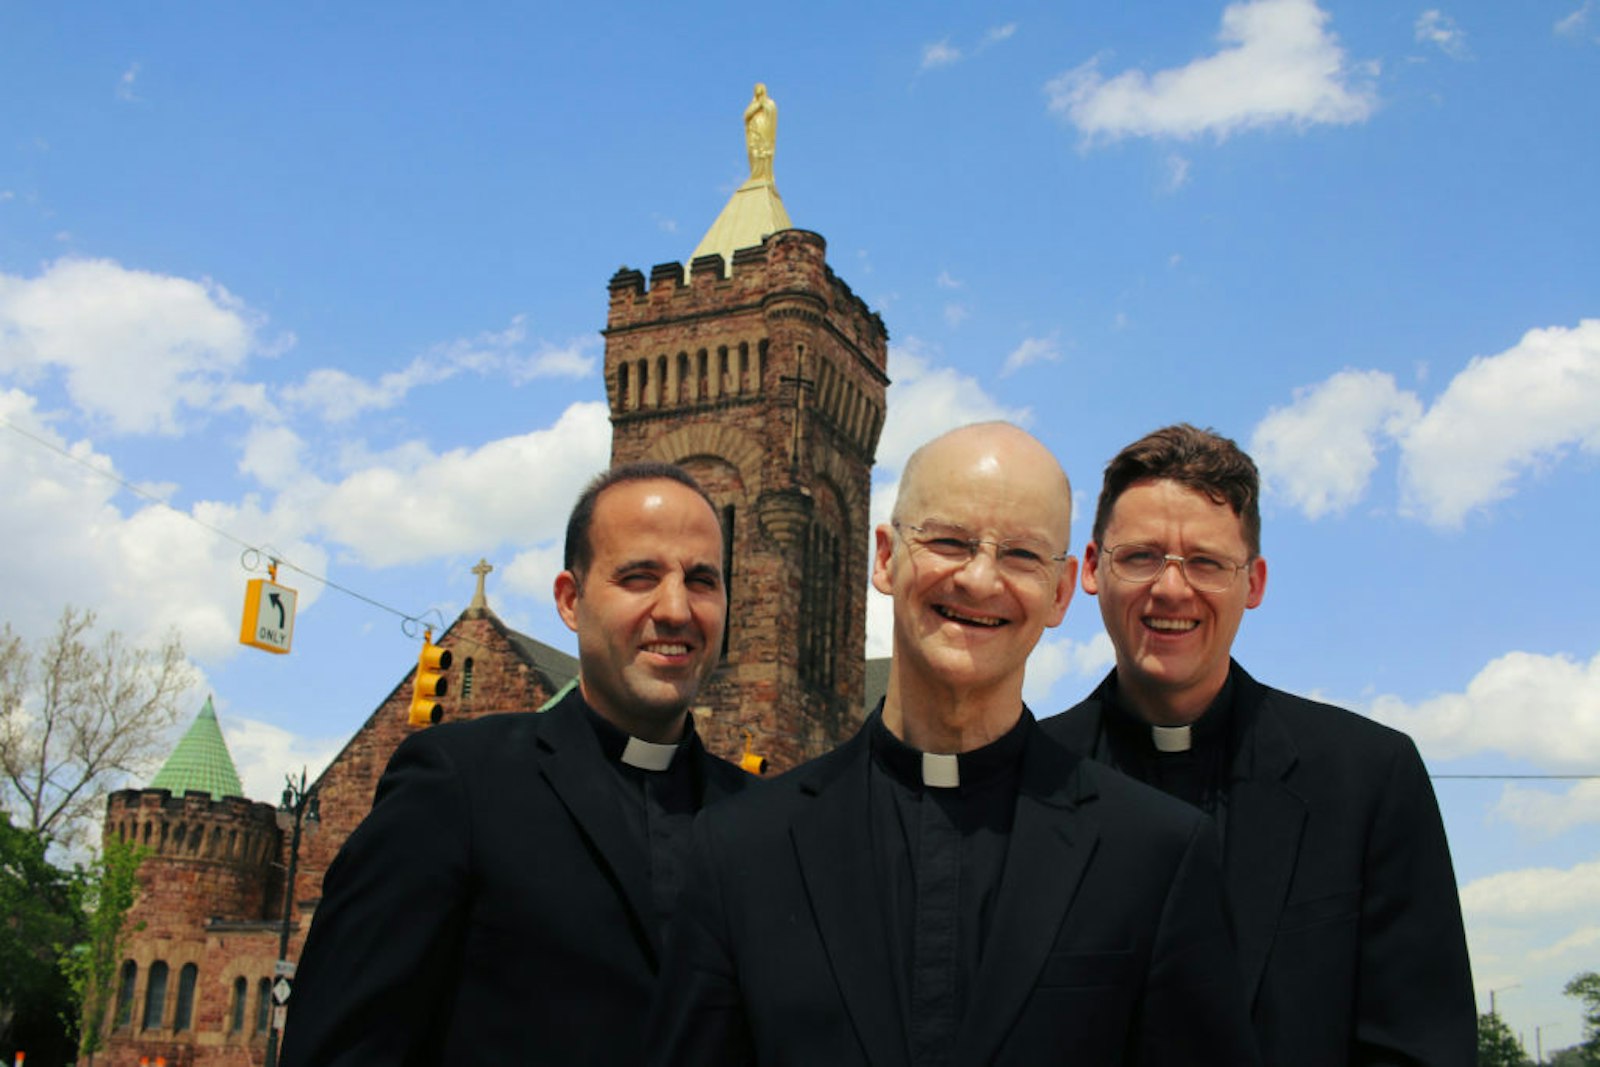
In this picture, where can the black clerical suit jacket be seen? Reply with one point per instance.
(1339, 884)
(491, 909)
(1107, 944)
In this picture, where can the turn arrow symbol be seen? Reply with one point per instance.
(277, 602)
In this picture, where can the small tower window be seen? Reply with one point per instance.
(466, 679)
(263, 1005)
(241, 990)
(183, 1014)
(155, 996)
(124, 1015)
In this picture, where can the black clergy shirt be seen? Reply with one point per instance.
(939, 852)
(658, 806)
(1199, 774)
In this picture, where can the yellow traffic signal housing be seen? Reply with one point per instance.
(752, 762)
(430, 683)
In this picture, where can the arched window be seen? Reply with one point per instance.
(183, 1014)
(241, 990)
(155, 995)
(124, 1016)
(466, 679)
(263, 1005)
(727, 573)
(819, 607)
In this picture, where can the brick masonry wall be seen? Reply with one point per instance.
(702, 372)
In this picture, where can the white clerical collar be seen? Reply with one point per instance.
(1171, 738)
(647, 755)
(942, 770)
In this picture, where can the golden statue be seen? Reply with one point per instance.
(761, 133)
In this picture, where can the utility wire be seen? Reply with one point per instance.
(409, 619)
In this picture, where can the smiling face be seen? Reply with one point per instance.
(963, 627)
(650, 610)
(1172, 641)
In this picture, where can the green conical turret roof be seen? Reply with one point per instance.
(200, 763)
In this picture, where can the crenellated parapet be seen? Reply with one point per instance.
(702, 339)
(194, 827)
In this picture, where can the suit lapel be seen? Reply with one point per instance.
(1266, 819)
(844, 895)
(573, 765)
(1053, 836)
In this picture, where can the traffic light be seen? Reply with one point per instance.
(753, 762)
(430, 683)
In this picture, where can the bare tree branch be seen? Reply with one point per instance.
(76, 715)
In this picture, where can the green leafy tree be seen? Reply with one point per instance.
(1497, 1045)
(1586, 988)
(77, 713)
(106, 891)
(39, 906)
(1568, 1057)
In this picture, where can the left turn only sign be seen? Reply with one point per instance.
(268, 616)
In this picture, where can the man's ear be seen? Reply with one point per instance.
(566, 592)
(882, 554)
(1091, 569)
(1257, 569)
(1066, 585)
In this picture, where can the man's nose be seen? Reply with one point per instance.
(672, 601)
(982, 569)
(1172, 581)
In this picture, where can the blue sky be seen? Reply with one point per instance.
(330, 278)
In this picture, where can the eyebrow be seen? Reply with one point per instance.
(1012, 536)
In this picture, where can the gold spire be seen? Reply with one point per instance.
(755, 209)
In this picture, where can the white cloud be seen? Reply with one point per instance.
(925, 400)
(1052, 661)
(533, 573)
(1530, 930)
(1522, 410)
(955, 314)
(945, 281)
(1321, 450)
(1545, 709)
(939, 54)
(135, 348)
(263, 754)
(1278, 66)
(1177, 172)
(996, 34)
(272, 456)
(415, 504)
(1504, 414)
(1534, 892)
(1575, 24)
(126, 82)
(1031, 350)
(1440, 30)
(338, 396)
(574, 360)
(1579, 941)
(144, 570)
(1548, 812)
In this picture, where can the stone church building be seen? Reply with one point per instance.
(756, 368)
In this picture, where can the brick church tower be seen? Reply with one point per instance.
(760, 372)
